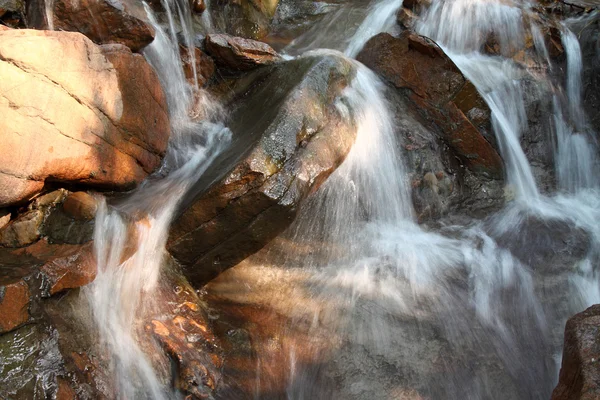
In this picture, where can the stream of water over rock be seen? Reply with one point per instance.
(356, 300)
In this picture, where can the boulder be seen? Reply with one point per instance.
(579, 377)
(238, 53)
(100, 20)
(288, 137)
(418, 67)
(106, 140)
(245, 18)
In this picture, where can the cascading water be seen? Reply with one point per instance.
(380, 307)
(130, 236)
(387, 309)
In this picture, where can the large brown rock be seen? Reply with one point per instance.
(114, 133)
(100, 20)
(580, 371)
(428, 77)
(238, 53)
(288, 137)
(14, 305)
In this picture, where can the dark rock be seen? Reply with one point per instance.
(100, 20)
(238, 53)
(420, 68)
(288, 138)
(580, 371)
(12, 13)
(429, 158)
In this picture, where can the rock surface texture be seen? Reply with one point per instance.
(100, 20)
(580, 371)
(416, 65)
(285, 145)
(238, 53)
(115, 132)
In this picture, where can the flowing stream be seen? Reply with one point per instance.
(379, 307)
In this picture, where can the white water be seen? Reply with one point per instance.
(494, 313)
(130, 236)
(381, 17)
(348, 28)
(382, 282)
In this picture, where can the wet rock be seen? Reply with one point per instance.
(287, 139)
(198, 6)
(205, 66)
(238, 53)
(245, 18)
(76, 267)
(547, 246)
(106, 139)
(418, 67)
(52, 267)
(81, 206)
(14, 305)
(580, 371)
(429, 158)
(101, 21)
(22, 231)
(588, 32)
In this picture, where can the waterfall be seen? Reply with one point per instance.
(380, 307)
(577, 151)
(497, 80)
(381, 18)
(130, 236)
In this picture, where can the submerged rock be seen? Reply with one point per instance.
(580, 371)
(100, 20)
(419, 67)
(238, 53)
(288, 137)
(115, 132)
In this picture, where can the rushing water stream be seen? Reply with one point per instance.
(380, 307)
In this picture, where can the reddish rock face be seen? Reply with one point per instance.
(432, 81)
(14, 305)
(580, 371)
(205, 66)
(238, 53)
(100, 20)
(117, 114)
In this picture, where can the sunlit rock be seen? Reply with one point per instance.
(116, 129)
